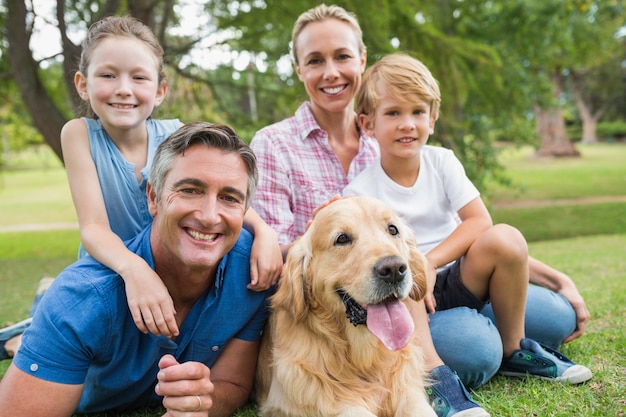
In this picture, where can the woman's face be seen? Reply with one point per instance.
(329, 64)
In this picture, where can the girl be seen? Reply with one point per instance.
(107, 159)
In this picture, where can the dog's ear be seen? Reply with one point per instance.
(290, 294)
(417, 263)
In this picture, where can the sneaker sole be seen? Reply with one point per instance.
(472, 412)
(574, 375)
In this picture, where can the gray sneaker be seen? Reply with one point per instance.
(448, 395)
(539, 361)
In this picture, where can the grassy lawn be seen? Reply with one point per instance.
(587, 241)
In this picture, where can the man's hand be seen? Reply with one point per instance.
(186, 388)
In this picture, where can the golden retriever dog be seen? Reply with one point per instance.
(340, 339)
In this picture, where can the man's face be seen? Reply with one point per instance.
(200, 213)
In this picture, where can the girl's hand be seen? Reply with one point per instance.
(149, 301)
(266, 260)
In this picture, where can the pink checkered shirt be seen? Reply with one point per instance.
(298, 170)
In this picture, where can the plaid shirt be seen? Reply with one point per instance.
(298, 170)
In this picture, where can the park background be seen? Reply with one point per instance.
(534, 104)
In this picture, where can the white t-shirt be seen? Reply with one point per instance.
(430, 206)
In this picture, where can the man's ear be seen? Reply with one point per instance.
(152, 199)
(366, 123)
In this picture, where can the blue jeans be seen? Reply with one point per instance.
(469, 343)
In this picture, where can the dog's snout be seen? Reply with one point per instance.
(391, 269)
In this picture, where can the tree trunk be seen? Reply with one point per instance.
(550, 127)
(46, 116)
(587, 116)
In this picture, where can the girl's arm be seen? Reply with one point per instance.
(266, 259)
(148, 299)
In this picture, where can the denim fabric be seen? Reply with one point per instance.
(550, 318)
(469, 342)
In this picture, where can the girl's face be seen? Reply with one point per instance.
(400, 125)
(329, 64)
(122, 82)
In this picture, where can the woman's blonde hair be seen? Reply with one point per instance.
(397, 75)
(320, 13)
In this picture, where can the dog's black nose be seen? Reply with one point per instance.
(391, 269)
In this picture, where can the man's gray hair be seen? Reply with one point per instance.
(211, 135)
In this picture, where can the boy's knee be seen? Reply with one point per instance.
(509, 241)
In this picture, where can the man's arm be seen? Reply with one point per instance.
(23, 395)
(222, 390)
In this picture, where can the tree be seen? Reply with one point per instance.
(49, 115)
(598, 84)
(541, 43)
(431, 32)
(49, 119)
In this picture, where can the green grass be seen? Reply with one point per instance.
(560, 222)
(35, 196)
(586, 241)
(599, 172)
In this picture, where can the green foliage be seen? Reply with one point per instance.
(612, 130)
(16, 130)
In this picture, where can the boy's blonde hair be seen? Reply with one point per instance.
(397, 75)
(319, 14)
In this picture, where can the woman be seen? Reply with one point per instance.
(307, 159)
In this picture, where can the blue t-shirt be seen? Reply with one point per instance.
(83, 331)
(124, 197)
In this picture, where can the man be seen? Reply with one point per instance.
(83, 352)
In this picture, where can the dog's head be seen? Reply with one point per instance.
(356, 263)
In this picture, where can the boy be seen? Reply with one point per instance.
(473, 261)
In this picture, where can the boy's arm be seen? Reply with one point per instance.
(148, 299)
(23, 395)
(475, 219)
(266, 260)
(552, 279)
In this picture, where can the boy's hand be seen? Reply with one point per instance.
(334, 198)
(186, 388)
(149, 301)
(429, 298)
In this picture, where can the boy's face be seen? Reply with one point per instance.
(401, 125)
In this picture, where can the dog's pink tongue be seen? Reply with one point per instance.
(390, 322)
